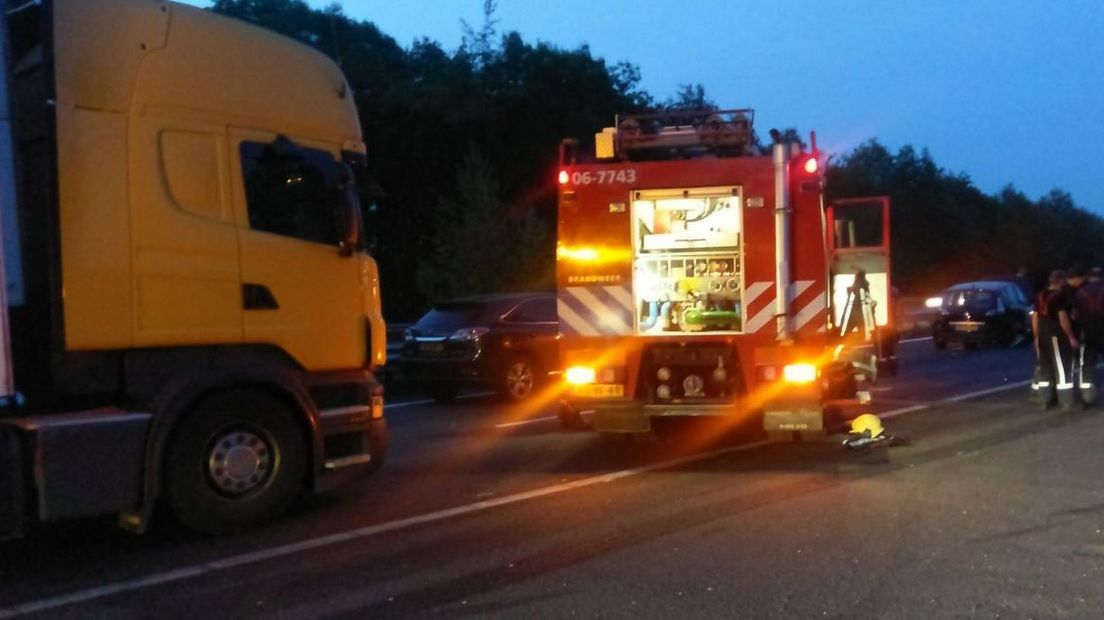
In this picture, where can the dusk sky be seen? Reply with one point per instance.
(1003, 91)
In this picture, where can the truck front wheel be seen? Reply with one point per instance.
(237, 460)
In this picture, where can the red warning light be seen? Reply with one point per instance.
(811, 165)
(563, 177)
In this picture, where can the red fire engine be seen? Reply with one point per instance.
(696, 276)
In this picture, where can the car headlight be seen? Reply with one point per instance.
(933, 302)
(468, 334)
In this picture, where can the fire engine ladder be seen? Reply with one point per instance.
(858, 316)
(687, 133)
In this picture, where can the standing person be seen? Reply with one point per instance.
(1055, 343)
(1023, 281)
(1090, 312)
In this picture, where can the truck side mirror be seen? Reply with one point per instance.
(349, 220)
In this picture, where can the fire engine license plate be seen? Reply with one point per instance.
(599, 390)
(800, 420)
(431, 347)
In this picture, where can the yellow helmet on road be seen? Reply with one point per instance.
(867, 424)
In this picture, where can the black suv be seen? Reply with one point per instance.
(985, 312)
(508, 342)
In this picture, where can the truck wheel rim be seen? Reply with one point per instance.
(519, 380)
(239, 462)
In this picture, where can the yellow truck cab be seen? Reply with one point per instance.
(190, 314)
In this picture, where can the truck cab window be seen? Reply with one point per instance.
(290, 191)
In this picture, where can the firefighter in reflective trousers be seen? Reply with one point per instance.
(1090, 315)
(1055, 343)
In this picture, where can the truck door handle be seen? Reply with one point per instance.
(258, 297)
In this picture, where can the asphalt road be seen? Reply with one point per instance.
(992, 509)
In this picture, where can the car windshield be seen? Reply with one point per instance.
(979, 299)
(450, 316)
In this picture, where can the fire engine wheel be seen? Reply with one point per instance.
(519, 379)
(236, 461)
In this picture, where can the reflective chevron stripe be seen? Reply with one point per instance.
(814, 308)
(809, 312)
(595, 310)
(599, 310)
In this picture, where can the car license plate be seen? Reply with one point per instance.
(966, 327)
(599, 390)
(431, 347)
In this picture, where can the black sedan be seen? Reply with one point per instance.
(988, 312)
(507, 342)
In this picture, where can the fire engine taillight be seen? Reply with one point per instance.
(564, 177)
(799, 373)
(811, 165)
(579, 375)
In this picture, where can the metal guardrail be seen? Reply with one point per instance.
(913, 315)
(394, 340)
(388, 373)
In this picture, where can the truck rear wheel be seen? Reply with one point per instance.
(236, 461)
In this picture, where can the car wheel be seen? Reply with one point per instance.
(519, 379)
(235, 461)
(443, 392)
(939, 344)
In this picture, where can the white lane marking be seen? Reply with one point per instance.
(954, 399)
(83, 596)
(89, 594)
(523, 422)
(430, 401)
(922, 339)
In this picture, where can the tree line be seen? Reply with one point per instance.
(463, 146)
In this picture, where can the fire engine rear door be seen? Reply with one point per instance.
(858, 242)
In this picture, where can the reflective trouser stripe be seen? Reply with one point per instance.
(1084, 385)
(1063, 384)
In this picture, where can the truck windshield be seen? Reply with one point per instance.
(687, 260)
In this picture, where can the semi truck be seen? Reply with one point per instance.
(700, 273)
(189, 317)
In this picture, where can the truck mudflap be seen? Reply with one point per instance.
(13, 492)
